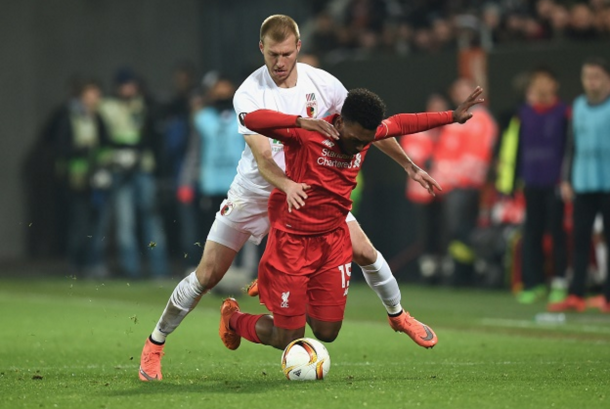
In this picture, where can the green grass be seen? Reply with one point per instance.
(67, 343)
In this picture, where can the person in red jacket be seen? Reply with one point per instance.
(430, 241)
(305, 271)
(461, 162)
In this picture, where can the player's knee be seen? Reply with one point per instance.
(364, 253)
(327, 332)
(208, 275)
(287, 336)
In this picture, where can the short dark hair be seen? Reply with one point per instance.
(598, 62)
(543, 70)
(364, 107)
(89, 83)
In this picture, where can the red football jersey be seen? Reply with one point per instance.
(316, 160)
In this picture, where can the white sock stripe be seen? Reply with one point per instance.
(376, 266)
(379, 277)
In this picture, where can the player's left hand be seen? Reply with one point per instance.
(461, 113)
(318, 125)
(296, 195)
(423, 178)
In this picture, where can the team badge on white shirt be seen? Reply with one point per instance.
(312, 105)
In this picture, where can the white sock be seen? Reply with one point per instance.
(185, 297)
(379, 277)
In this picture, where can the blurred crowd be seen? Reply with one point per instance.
(360, 28)
(132, 177)
(527, 205)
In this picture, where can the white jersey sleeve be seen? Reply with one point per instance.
(245, 100)
(316, 95)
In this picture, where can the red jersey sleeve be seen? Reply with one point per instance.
(404, 124)
(270, 123)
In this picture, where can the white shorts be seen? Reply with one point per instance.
(243, 216)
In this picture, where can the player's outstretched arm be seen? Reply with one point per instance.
(295, 192)
(404, 124)
(393, 149)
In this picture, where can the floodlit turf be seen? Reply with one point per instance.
(68, 343)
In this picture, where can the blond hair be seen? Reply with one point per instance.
(279, 27)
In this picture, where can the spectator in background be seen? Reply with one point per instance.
(581, 24)
(532, 151)
(560, 21)
(403, 40)
(544, 15)
(423, 42)
(173, 127)
(420, 148)
(443, 35)
(461, 164)
(133, 197)
(491, 18)
(214, 151)
(325, 37)
(587, 178)
(603, 23)
(362, 15)
(80, 136)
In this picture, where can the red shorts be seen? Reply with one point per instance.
(305, 275)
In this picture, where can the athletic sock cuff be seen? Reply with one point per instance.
(376, 266)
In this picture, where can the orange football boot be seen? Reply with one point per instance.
(420, 333)
(227, 335)
(252, 288)
(150, 361)
(571, 303)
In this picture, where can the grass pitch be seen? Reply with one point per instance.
(67, 343)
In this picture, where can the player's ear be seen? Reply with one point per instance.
(298, 46)
(261, 46)
(338, 123)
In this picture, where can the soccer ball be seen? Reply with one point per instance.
(305, 359)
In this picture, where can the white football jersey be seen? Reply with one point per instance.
(316, 95)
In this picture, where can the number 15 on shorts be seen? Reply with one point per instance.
(346, 272)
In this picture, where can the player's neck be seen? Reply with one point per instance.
(288, 82)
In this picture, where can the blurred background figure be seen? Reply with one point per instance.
(587, 179)
(461, 165)
(173, 128)
(133, 197)
(431, 240)
(532, 153)
(80, 137)
(214, 150)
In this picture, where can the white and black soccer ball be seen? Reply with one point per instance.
(305, 359)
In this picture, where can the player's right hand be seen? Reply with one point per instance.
(318, 125)
(295, 195)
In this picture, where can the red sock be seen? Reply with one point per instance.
(245, 325)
